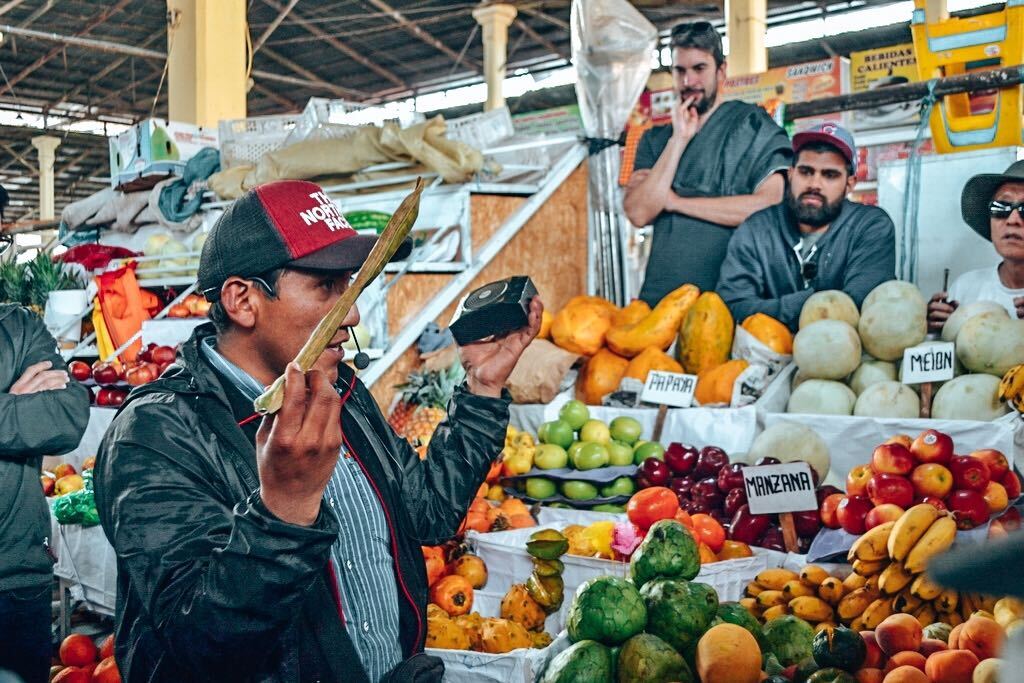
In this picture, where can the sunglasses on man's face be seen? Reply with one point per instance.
(1002, 210)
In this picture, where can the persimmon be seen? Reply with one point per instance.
(453, 594)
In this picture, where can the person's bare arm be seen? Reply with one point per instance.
(939, 310)
(730, 211)
(649, 190)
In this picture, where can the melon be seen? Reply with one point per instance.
(822, 397)
(827, 349)
(870, 372)
(798, 379)
(964, 313)
(893, 290)
(888, 399)
(969, 397)
(789, 441)
(831, 304)
(991, 343)
(890, 326)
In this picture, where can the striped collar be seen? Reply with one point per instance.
(242, 380)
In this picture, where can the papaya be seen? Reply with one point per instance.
(652, 358)
(600, 376)
(581, 326)
(715, 384)
(658, 328)
(634, 312)
(770, 332)
(705, 338)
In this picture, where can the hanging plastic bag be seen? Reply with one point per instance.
(125, 307)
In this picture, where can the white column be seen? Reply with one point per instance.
(495, 20)
(46, 145)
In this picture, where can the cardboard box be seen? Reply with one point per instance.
(790, 84)
(879, 68)
(154, 149)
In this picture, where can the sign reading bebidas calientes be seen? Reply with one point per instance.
(779, 488)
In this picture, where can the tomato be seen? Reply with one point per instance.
(652, 505)
(707, 530)
(683, 517)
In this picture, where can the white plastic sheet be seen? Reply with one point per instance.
(518, 666)
(88, 562)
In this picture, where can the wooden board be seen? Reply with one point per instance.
(551, 248)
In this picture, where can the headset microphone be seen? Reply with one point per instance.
(362, 360)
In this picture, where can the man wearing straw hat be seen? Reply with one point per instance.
(991, 204)
(288, 548)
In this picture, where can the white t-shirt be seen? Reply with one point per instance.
(984, 285)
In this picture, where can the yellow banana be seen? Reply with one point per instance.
(936, 540)
(750, 604)
(894, 578)
(752, 589)
(810, 609)
(797, 589)
(869, 569)
(909, 529)
(872, 583)
(966, 606)
(947, 601)
(926, 614)
(775, 579)
(872, 545)
(813, 574)
(1011, 387)
(953, 619)
(924, 588)
(858, 625)
(876, 612)
(906, 602)
(854, 604)
(768, 599)
(831, 590)
(1008, 610)
(822, 625)
(984, 602)
(853, 582)
(775, 612)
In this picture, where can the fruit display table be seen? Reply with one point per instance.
(86, 569)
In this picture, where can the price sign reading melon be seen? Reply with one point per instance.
(928, 363)
(669, 389)
(779, 488)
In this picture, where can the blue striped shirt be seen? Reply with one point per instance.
(361, 557)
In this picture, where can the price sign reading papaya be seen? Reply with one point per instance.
(669, 388)
(928, 363)
(773, 489)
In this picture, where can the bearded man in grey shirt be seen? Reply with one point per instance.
(815, 240)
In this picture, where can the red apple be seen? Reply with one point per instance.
(681, 458)
(823, 492)
(969, 473)
(655, 471)
(932, 479)
(995, 460)
(891, 488)
(104, 373)
(163, 354)
(933, 501)
(139, 375)
(709, 461)
(1011, 482)
(892, 458)
(79, 370)
(828, 510)
(902, 439)
(730, 477)
(969, 508)
(807, 523)
(48, 480)
(932, 446)
(857, 480)
(851, 513)
(63, 470)
(880, 514)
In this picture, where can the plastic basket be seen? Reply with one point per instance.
(244, 141)
(482, 130)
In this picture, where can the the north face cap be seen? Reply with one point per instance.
(289, 223)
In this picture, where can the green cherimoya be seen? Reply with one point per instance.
(646, 658)
(789, 638)
(668, 551)
(606, 609)
(584, 662)
(679, 612)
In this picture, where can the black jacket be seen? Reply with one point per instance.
(31, 426)
(212, 586)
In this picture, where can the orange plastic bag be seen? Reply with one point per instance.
(125, 307)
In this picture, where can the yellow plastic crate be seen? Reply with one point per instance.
(960, 45)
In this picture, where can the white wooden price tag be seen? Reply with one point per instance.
(669, 388)
(928, 363)
(779, 488)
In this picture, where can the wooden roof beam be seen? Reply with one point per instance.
(541, 40)
(423, 36)
(338, 45)
(300, 70)
(273, 25)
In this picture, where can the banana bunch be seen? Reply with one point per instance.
(812, 595)
(1011, 387)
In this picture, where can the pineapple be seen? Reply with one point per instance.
(14, 284)
(423, 404)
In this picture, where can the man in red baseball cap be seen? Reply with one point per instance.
(815, 240)
(287, 548)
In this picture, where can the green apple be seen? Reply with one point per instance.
(590, 457)
(542, 433)
(574, 448)
(539, 487)
(623, 486)
(579, 490)
(608, 507)
(558, 433)
(595, 431)
(619, 454)
(548, 456)
(575, 413)
(626, 429)
(648, 449)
